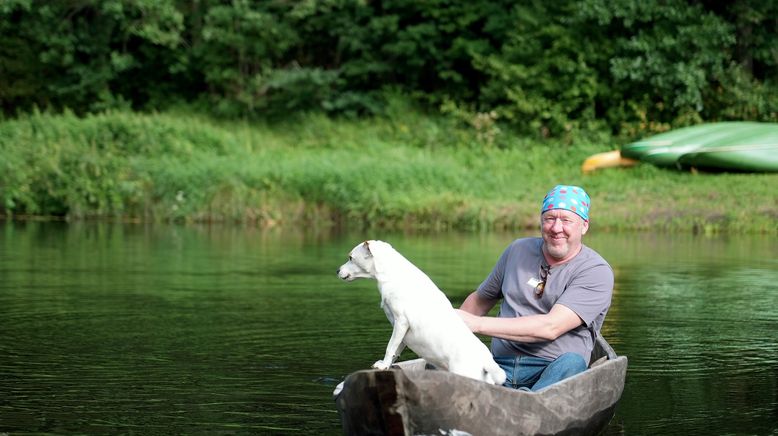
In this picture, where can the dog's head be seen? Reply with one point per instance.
(361, 261)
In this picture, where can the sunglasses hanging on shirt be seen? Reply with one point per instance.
(541, 285)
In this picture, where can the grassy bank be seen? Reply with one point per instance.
(407, 170)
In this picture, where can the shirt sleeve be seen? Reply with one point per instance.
(491, 287)
(589, 293)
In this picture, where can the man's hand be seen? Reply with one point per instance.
(529, 328)
(473, 322)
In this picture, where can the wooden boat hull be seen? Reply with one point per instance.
(412, 399)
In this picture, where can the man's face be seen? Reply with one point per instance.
(562, 231)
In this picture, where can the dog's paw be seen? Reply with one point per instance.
(338, 389)
(381, 365)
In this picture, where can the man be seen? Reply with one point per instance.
(555, 294)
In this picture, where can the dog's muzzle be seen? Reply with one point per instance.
(342, 276)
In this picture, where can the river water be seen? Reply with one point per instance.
(109, 328)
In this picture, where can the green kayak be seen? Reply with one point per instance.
(741, 157)
(739, 146)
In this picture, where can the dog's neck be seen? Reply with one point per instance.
(401, 272)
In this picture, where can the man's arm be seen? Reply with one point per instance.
(533, 328)
(477, 305)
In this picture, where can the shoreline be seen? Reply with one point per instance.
(414, 173)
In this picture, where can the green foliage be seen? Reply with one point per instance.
(86, 55)
(665, 54)
(409, 170)
(545, 68)
(694, 56)
(238, 49)
(95, 166)
(540, 79)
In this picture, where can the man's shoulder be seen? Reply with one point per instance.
(529, 243)
(590, 261)
(589, 258)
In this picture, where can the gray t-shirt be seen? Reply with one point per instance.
(584, 285)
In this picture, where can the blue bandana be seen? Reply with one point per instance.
(572, 198)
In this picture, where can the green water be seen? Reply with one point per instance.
(169, 329)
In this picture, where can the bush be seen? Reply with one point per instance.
(544, 68)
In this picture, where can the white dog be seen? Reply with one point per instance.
(421, 315)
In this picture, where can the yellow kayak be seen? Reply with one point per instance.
(609, 159)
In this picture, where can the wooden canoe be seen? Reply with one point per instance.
(413, 398)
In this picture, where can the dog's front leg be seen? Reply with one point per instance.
(395, 345)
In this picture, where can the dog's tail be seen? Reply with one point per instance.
(494, 374)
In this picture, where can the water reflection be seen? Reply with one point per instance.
(168, 329)
(697, 317)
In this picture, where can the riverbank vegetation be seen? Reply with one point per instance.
(542, 69)
(404, 170)
(432, 114)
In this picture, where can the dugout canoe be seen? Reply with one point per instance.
(411, 398)
(735, 145)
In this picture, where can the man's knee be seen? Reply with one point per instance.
(564, 366)
(570, 364)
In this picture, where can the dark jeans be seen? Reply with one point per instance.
(534, 373)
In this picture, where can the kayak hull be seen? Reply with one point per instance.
(731, 146)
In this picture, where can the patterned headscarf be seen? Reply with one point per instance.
(572, 198)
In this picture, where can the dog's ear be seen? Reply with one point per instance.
(381, 252)
(366, 244)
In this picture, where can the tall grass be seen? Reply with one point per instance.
(407, 170)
